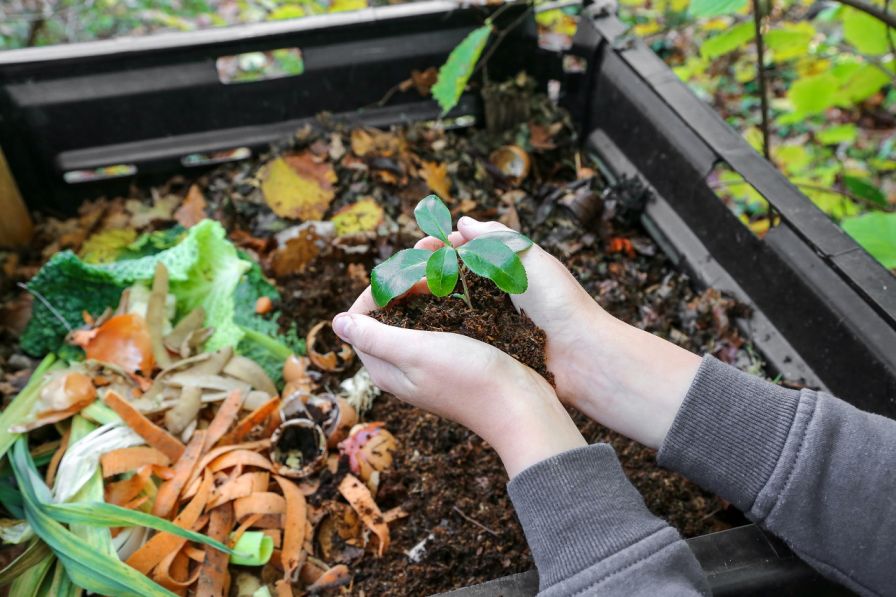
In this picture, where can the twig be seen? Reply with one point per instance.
(890, 41)
(499, 37)
(872, 10)
(46, 304)
(874, 61)
(760, 73)
(474, 521)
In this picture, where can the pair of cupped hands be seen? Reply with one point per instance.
(618, 375)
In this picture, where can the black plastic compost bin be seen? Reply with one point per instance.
(824, 311)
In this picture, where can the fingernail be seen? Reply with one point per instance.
(466, 221)
(342, 324)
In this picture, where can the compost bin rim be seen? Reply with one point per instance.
(173, 40)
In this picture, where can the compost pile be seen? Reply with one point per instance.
(195, 425)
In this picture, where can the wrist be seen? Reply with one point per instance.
(629, 379)
(532, 427)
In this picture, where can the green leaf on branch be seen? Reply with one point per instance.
(834, 135)
(441, 271)
(715, 8)
(866, 33)
(514, 241)
(813, 95)
(492, 259)
(876, 232)
(396, 275)
(790, 41)
(858, 82)
(434, 218)
(727, 41)
(456, 71)
(861, 187)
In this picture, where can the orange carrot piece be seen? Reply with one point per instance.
(194, 553)
(224, 418)
(259, 503)
(359, 498)
(130, 459)
(333, 578)
(208, 457)
(136, 502)
(154, 435)
(57, 457)
(169, 491)
(269, 521)
(243, 457)
(292, 554)
(276, 536)
(213, 578)
(162, 544)
(122, 492)
(173, 572)
(283, 588)
(251, 421)
(231, 490)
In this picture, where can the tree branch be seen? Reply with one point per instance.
(760, 72)
(871, 9)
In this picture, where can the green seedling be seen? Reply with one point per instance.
(493, 256)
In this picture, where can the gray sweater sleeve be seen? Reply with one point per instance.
(810, 468)
(591, 534)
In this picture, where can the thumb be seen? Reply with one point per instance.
(470, 228)
(377, 339)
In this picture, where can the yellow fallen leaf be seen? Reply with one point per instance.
(105, 246)
(296, 187)
(436, 177)
(361, 216)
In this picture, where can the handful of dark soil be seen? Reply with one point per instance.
(493, 320)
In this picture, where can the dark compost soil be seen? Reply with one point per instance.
(493, 320)
(460, 526)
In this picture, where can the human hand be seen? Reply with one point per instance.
(506, 403)
(623, 377)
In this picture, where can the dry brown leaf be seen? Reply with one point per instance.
(436, 177)
(542, 137)
(162, 208)
(295, 256)
(424, 80)
(192, 210)
(298, 187)
(366, 141)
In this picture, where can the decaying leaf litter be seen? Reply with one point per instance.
(189, 298)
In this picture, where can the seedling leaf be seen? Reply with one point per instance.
(456, 71)
(492, 259)
(434, 218)
(441, 271)
(514, 241)
(396, 275)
